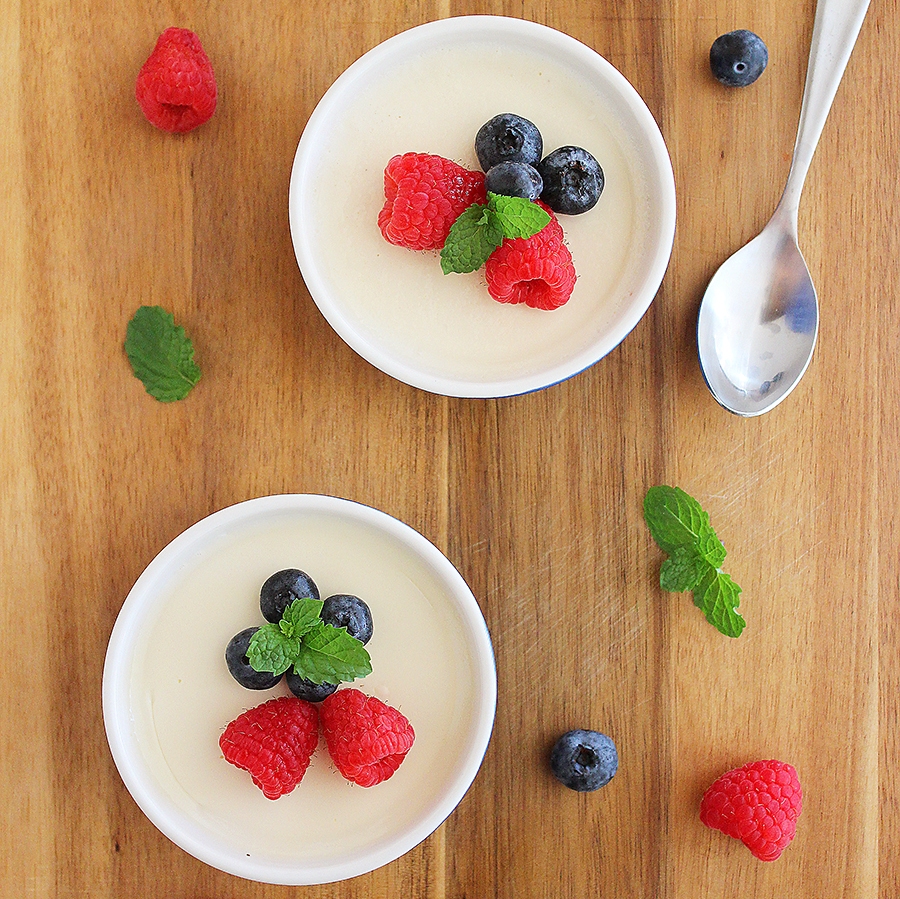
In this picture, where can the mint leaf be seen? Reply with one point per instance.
(272, 650)
(329, 654)
(681, 528)
(161, 354)
(300, 617)
(473, 237)
(717, 596)
(517, 216)
(682, 571)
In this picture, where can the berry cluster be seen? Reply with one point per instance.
(280, 590)
(526, 258)
(274, 742)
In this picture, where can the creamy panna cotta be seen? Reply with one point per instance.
(394, 304)
(181, 695)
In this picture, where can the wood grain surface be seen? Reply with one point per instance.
(536, 499)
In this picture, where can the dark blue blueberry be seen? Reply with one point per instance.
(346, 610)
(584, 760)
(281, 589)
(573, 180)
(508, 138)
(303, 688)
(514, 179)
(738, 58)
(239, 664)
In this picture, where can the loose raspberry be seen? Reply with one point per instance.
(758, 804)
(366, 738)
(176, 87)
(424, 195)
(537, 271)
(274, 742)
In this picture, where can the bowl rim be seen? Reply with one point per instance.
(661, 174)
(172, 821)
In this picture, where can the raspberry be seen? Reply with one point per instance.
(176, 87)
(537, 270)
(758, 804)
(366, 738)
(424, 196)
(274, 742)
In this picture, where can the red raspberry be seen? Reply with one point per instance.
(537, 271)
(758, 804)
(424, 196)
(176, 87)
(366, 738)
(274, 742)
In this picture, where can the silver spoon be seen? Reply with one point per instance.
(759, 317)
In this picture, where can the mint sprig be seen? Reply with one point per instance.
(681, 528)
(481, 228)
(161, 354)
(318, 651)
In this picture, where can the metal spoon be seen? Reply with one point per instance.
(759, 317)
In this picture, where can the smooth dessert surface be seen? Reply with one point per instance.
(434, 102)
(183, 695)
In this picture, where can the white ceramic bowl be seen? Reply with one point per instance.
(167, 694)
(428, 90)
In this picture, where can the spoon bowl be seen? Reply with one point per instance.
(759, 317)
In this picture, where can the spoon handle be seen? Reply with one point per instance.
(835, 31)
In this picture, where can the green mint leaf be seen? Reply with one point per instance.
(473, 237)
(161, 354)
(681, 528)
(272, 650)
(329, 654)
(300, 617)
(682, 571)
(674, 517)
(717, 596)
(518, 216)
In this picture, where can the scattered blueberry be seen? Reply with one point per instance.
(573, 180)
(514, 179)
(508, 138)
(346, 610)
(304, 688)
(281, 589)
(239, 664)
(738, 58)
(584, 760)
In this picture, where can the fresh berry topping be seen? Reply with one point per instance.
(508, 138)
(573, 180)
(514, 179)
(758, 804)
(584, 760)
(304, 688)
(281, 589)
(176, 87)
(424, 195)
(738, 58)
(537, 271)
(239, 665)
(346, 610)
(366, 738)
(274, 742)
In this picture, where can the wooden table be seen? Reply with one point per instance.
(536, 499)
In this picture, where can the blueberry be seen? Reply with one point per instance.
(573, 180)
(239, 664)
(508, 138)
(281, 589)
(304, 688)
(738, 58)
(346, 610)
(584, 760)
(514, 179)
